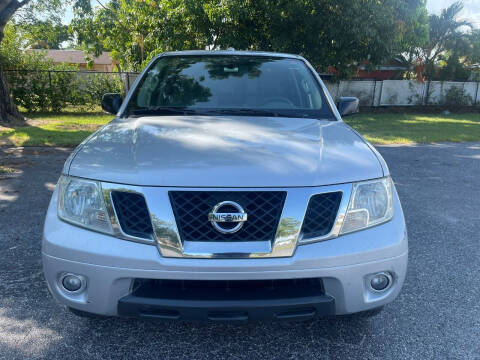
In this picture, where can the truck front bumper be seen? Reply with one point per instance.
(346, 289)
(109, 268)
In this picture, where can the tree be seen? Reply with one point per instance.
(336, 33)
(135, 31)
(10, 50)
(445, 34)
(27, 11)
(44, 34)
(416, 35)
(447, 51)
(342, 33)
(474, 57)
(8, 110)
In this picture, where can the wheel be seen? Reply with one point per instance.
(85, 314)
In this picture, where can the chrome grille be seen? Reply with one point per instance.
(321, 214)
(132, 214)
(191, 210)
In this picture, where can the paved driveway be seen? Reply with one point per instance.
(437, 316)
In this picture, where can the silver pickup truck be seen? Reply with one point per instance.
(227, 188)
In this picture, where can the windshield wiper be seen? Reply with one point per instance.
(289, 113)
(160, 110)
(178, 110)
(168, 110)
(252, 112)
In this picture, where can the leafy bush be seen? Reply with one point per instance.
(56, 88)
(456, 97)
(98, 84)
(37, 84)
(43, 90)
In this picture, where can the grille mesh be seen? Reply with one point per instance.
(321, 213)
(132, 214)
(227, 289)
(191, 210)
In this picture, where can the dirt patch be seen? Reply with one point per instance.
(16, 123)
(28, 122)
(3, 128)
(91, 127)
(17, 156)
(44, 150)
(39, 122)
(6, 142)
(8, 172)
(14, 163)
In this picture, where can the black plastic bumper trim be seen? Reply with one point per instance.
(227, 310)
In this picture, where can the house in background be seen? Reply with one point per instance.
(77, 57)
(393, 70)
(386, 72)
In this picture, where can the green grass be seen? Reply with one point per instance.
(70, 128)
(416, 128)
(53, 130)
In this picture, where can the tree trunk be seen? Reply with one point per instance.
(8, 111)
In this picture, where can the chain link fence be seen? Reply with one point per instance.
(53, 90)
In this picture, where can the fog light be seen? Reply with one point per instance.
(72, 282)
(381, 281)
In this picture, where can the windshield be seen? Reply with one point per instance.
(240, 85)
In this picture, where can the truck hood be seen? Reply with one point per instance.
(225, 151)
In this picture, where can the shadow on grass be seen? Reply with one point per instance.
(37, 136)
(69, 129)
(63, 129)
(36, 115)
(417, 128)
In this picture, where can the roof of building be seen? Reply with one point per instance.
(75, 57)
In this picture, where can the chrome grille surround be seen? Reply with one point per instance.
(107, 189)
(287, 238)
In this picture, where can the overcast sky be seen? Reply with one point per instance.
(471, 10)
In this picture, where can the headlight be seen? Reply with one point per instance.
(371, 204)
(80, 202)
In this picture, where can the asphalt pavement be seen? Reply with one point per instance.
(437, 315)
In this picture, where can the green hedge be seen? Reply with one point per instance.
(37, 84)
(42, 90)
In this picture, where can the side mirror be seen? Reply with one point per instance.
(111, 103)
(348, 105)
